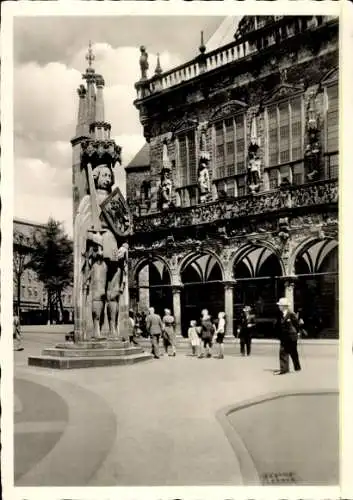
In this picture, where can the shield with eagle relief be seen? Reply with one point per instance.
(117, 213)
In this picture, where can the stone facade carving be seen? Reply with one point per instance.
(312, 155)
(254, 160)
(166, 185)
(143, 62)
(323, 192)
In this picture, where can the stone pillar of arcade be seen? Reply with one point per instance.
(228, 305)
(176, 289)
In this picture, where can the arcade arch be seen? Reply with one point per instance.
(316, 291)
(153, 282)
(257, 271)
(202, 279)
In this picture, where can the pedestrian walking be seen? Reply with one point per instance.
(132, 328)
(220, 333)
(17, 335)
(154, 327)
(207, 332)
(169, 332)
(287, 328)
(193, 336)
(246, 329)
(142, 324)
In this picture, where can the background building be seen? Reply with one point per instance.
(235, 194)
(33, 296)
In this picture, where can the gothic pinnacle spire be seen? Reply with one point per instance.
(90, 57)
(158, 70)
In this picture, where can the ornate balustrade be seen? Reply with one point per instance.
(292, 197)
(235, 51)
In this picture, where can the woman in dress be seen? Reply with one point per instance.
(193, 336)
(169, 331)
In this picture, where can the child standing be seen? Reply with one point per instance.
(207, 332)
(220, 332)
(194, 338)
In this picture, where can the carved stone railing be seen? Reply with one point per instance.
(234, 51)
(293, 197)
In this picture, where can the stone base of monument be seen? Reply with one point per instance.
(89, 354)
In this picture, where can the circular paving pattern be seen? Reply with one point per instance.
(289, 439)
(40, 418)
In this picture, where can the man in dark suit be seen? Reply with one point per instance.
(154, 327)
(246, 329)
(287, 327)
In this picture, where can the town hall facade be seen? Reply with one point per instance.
(235, 194)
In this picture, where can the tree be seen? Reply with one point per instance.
(52, 260)
(22, 249)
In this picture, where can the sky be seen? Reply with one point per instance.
(49, 59)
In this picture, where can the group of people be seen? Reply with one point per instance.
(156, 328)
(203, 337)
(206, 334)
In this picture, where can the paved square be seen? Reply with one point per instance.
(162, 422)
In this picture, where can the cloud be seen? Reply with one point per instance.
(45, 101)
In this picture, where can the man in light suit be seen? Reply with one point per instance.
(287, 327)
(154, 327)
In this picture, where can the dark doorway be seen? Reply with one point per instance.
(258, 285)
(154, 287)
(200, 293)
(317, 291)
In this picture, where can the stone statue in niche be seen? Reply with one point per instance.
(254, 161)
(203, 172)
(102, 225)
(204, 180)
(312, 150)
(165, 190)
(166, 185)
(143, 62)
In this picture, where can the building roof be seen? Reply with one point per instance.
(17, 221)
(141, 159)
(224, 34)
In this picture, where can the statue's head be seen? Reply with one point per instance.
(103, 177)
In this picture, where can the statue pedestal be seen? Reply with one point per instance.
(88, 354)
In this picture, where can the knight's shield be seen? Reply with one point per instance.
(117, 213)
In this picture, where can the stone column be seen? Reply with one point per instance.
(289, 283)
(176, 289)
(228, 305)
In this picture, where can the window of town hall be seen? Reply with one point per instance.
(331, 143)
(230, 154)
(285, 134)
(187, 166)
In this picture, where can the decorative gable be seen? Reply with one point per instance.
(282, 91)
(183, 125)
(228, 109)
